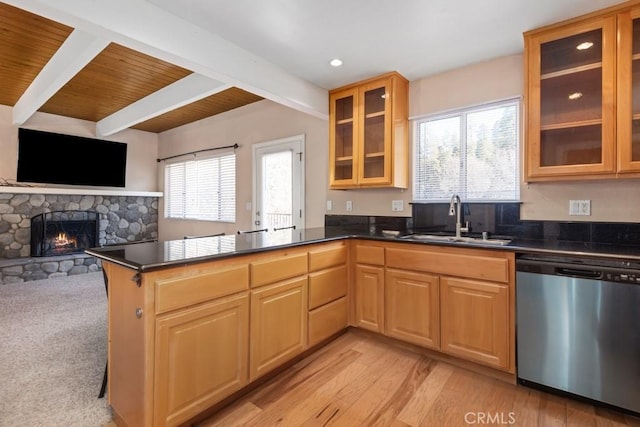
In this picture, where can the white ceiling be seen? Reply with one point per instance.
(415, 37)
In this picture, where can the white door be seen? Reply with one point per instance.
(278, 190)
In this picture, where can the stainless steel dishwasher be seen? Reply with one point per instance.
(578, 327)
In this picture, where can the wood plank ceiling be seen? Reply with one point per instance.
(114, 79)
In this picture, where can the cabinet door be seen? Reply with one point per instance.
(201, 357)
(343, 131)
(278, 325)
(375, 138)
(628, 127)
(571, 100)
(369, 298)
(413, 307)
(474, 318)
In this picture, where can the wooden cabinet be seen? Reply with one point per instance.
(412, 307)
(201, 357)
(456, 300)
(583, 111)
(328, 287)
(278, 325)
(475, 320)
(368, 133)
(368, 298)
(628, 91)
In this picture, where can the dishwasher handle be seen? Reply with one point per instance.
(576, 272)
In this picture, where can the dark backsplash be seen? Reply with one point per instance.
(499, 219)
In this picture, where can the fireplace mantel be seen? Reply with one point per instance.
(77, 191)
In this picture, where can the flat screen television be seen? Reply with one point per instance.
(53, 158)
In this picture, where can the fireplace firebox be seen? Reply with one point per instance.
(63, 232)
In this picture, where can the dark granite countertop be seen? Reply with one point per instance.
(153, 255)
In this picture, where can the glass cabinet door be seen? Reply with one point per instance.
(375, 135)
(343, 150)
(571, 105)
(368, 133)
(629, 91)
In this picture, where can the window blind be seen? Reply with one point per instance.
(203, 189)
(471, 152)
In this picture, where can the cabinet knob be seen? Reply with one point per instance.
(138, 312)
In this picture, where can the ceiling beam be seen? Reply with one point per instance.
(142, 26)
(185, 91)
(76, 52)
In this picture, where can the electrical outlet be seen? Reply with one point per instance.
(349, 206)
(397, 206)
(329, 205)
(580, 207)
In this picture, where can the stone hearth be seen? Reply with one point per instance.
(121, 219)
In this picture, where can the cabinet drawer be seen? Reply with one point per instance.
(327, 320)
(276, 269)
(327, 285)
(483, 267)
(327, 257)
(373, 255)
(176, 292)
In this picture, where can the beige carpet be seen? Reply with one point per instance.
(53, 352)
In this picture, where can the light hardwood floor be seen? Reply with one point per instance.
(359, 380)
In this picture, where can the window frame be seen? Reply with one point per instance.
(217, 191)
(465, 111)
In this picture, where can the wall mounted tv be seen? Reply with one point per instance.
(53, 158)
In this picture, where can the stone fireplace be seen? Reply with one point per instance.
(44, 234)
(63, 232)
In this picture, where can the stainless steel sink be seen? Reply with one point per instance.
(454, 239)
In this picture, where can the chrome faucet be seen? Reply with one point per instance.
(455, 206)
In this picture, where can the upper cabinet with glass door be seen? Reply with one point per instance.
(368, 133)
(628, 127)
(571, 100)
(583, 97)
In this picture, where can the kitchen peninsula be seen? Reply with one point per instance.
(193, 322)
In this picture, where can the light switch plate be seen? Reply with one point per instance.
(397, 205)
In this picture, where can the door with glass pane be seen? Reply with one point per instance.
(571, 100)
(629, 91)
(279, 184)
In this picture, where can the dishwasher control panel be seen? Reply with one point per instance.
(622, 277)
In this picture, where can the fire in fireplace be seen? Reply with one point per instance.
(63, 232)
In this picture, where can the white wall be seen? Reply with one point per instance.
(611, 200)
(142, 147)
(259, 122)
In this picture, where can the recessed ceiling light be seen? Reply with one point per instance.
(584, 46)
(336, 62)
(575, 95)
